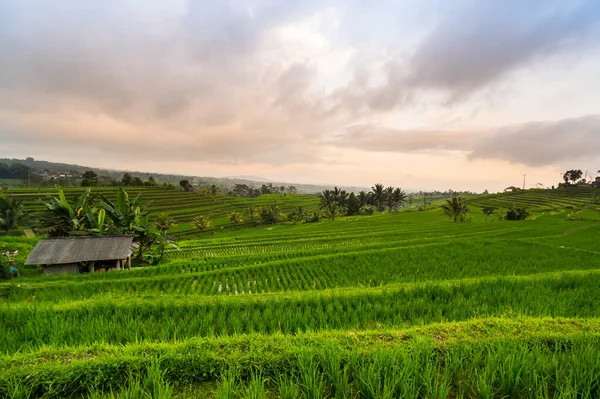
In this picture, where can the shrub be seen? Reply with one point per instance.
(513, 213)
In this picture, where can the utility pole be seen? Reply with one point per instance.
(524, 176)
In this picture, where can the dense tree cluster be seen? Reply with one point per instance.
(14, 171)
(338, 202)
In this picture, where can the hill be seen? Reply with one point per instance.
(390, 305)
(225, 183)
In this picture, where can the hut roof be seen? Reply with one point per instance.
(54, 251)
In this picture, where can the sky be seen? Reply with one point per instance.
(421, 94)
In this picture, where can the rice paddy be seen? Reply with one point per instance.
(394, 305)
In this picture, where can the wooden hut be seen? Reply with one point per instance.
(77, 254)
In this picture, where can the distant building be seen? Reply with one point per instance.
(71, 255)
(511, 189)
(596, 183)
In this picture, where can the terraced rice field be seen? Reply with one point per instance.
(407, 305)
(181, 206)
(543, 200)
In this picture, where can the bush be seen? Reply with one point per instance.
(366, 210)
(513, 213)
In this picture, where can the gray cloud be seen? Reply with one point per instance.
(534, 143)
(542, 143)
(477, 44)
(192, 74)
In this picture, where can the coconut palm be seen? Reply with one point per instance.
(164, 222)
(378, 196)
(389, 191)
(363, 198)
(456, 208)
(253, 212)
(202, 223)
(328, 203)
(235, 218)
(398, 198)
(12, 213)
(270, 214)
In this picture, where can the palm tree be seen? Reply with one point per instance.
(341, 198)
(270, 214)
(378, 196)
(328, 202)
(398, 198)
(62, 217)
(253, 212)
(12, 213)
(363, 198)
(388, 197)
(164, 222)
(235, 218)
(456, 208)
(202, 223)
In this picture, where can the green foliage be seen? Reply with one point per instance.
(270, 214)
(202, 223)
(516, 213)
(12, 213)
(456, 209)
(62, 217)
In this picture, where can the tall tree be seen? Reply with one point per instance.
(363, 198)
(572, 175)
(353, 207)
(90, 179)
(456, 208)
(137, 182)
(328, 202)
(388, 197)
(378, 196)
(398, 198)
(126, 180)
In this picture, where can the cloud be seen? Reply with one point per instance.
(475, 45)
(534, 143)
(385, 139)
(479, 44)
(197, 79)
(542, 143)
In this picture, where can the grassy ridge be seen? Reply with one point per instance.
(510, 357)
(127, 320)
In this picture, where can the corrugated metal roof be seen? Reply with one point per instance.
(55, 251)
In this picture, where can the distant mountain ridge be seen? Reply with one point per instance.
(223, 182)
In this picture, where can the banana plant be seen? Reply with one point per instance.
(126, 215)
(62, 217)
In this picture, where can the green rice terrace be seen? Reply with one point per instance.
(394, 305)
(181, 206)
